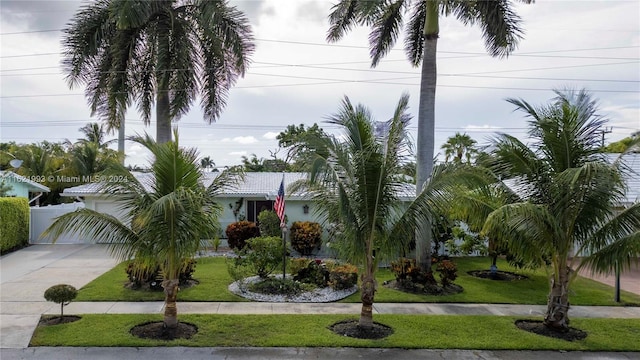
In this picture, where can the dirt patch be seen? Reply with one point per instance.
(413, 288)
(497, 275)
(55, 320)
(351, 328)
(538, 327)
(157, 331)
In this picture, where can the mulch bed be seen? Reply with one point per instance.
(420, 289)
(157, 331)
(498, 275)
(47, 320)
(350, 328)
(538, 327)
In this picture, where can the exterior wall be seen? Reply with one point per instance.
(18, 189)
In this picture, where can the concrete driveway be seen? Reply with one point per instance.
(27, 273)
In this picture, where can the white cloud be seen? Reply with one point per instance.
(238, 153)
(270, 135)
(241, 140)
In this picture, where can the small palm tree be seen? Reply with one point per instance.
(569, 196)
(358, 184)
(207, 163)
(501, 31)
(166, 214)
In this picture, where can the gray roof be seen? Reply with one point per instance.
(32, 185)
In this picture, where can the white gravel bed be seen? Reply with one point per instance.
(326, 294)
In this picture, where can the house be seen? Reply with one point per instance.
(22, 186)
(243, 201)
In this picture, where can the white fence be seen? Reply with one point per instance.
(42, 217)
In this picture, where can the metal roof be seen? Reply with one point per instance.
(32, 185)
(632, 176)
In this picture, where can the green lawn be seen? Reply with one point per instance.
(214, 279)
(410, 331)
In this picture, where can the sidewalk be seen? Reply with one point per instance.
(27, 273)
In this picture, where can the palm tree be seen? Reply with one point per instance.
(130, 51)
(165, 217)
(207, 163)
(569, 194)
(500, 29)
(358, 184)
(95, 133)
(459, 146)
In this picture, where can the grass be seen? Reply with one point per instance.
(410, 331)
(214, 279)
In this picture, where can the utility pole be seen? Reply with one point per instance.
(605, 131)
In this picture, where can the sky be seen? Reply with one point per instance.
(296, 77)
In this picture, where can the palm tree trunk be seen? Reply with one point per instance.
(170, 299)
(367, 293)
(121, 141)
(557, 315)
(426, 128)
(163, 118)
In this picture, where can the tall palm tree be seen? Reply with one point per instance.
(459, 146)
(127, 51)
(500, 28)
(569, 196)
(358, 184)
(95, 133)
(207, 163)
(166, 215)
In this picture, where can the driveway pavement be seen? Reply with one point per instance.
(27, 273)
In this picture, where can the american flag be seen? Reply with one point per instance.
(279, 204)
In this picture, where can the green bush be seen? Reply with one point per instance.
(14, 223)
(269, 223)
(143, 273)
(314, 273)
(61, 294)
(239, 232)
(343, 277)
(264, 254)
(306, 236)
(448, 272)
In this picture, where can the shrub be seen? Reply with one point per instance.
(141, 273)
(343, 277)
(264, 254)
(448, 272)
(278, 286)
(405, 270)
(14, 223)
(314, 273)
(239, 232)
(61, 294)
(297, 264)
(269, 223)
(306, 236)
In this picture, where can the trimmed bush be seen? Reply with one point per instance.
(314, 273)
(306, 236)
(265, 254)
(269, 223)
(343, 277)
(448, 272)
(61, 294)
(239, 232)
(14, 223)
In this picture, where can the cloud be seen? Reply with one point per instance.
(270, 135)
(238, 153)
(39, 15)
(241, 140)
(481, 127)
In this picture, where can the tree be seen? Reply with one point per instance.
(357, 184)
(95, 133)
(500, 29)
(459, 146)
(296, 139)
(255, 164)
(568, 196)
(207, 163)
(629, 143)
(131, 51)
(164, 221)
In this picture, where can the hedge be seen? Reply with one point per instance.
(14, 223)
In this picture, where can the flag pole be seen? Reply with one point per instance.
(280, 210)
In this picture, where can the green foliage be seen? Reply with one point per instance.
(305, 237)
(269, 223)
(61, 294)
(471, 243)
(297, 264)
(278, 286)
(265, 254)
(4, 188)
(343, 277)
(14, 223)
(239, 232)
(407, 272)
(314, 273)
(216, 243)
(149, 273)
